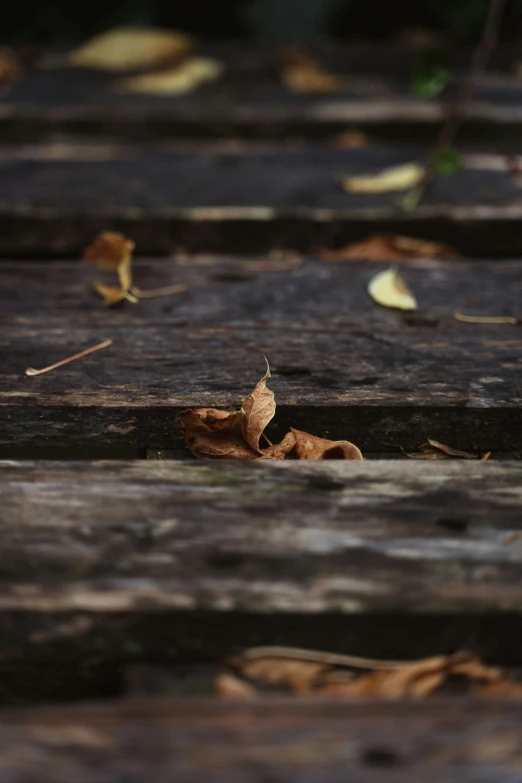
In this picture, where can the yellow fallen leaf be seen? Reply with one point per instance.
(112, 252)
(128, 48)
(390, 290)
(401, 177)
(182, 78)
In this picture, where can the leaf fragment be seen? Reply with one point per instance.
(487, 319)
(298, 675)
(389, 290)
(302, 73)
(389, 247)
(393, 178)
(435, 450)
(312, 447)
(231, 687)
(112, 252)
(128, 49)
(178, 80)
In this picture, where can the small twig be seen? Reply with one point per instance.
(330, 659)
(31, 372)
(268, 441)
(486, 319)
(152, 293)
(457, 108)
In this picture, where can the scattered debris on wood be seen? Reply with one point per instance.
(302, 73)
(435, 450)
(215, 434)
(11, 68)
(177, 80)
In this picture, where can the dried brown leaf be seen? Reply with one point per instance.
(280, 450)
(301, 73)
(389, 247)
(112, 252)
(230, 687)
(502, 689)
(311, 447)
(297, 675)
(450, 451)
(352, 139)
(257, 410)
(213, 434)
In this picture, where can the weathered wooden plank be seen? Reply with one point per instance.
(251, 100)
(244, 200)
(341, 364)
(141, 560)
(283, 740)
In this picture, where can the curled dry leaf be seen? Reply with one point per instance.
(257, 410)
(214, 434)
(297, 675)
(389, 247)
(180, 79)
(303, 74)
(311, 447)
(394, 178)
(112, 252)
(230, 687)
(131, 49)
(389, 290)
(435, 450)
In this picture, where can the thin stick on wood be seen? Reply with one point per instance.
(331, 659)
(31, 372)
(486, 319)
(152, 293)
(457, 108)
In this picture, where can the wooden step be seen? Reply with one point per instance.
(251, 100)
(197, 560)
(246, 199)
(342, 366)
(290, 740)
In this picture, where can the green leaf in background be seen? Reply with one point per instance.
(447, 161)
(431, 75)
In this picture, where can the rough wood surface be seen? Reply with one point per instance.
(219, 198)
(251, 100)
(341, 365)
(153, 560)
(284, 741)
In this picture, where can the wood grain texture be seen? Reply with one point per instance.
(149, 561)
(288, 741)
(341, 365)
(217, 199)
(252, 102)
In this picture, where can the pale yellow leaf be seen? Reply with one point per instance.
(182, 78)
(128, 49)
(401, 177)
(390, 290)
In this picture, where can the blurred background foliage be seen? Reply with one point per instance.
(63, 22)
